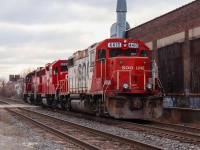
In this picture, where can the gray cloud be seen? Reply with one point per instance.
(35, 32)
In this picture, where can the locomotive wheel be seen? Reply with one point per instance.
(55, 104)
(98, 108)
(68, 105)
(63, 103)
(25, 99)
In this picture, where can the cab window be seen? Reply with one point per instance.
(55, 70)
(101, 55)
(131, 53)
(144, 53)
(63, 68)
(115, 53)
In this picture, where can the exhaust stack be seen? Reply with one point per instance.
(118, 29)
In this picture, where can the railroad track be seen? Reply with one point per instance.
(176, 132)
(6, 100)
(2, 102)
(84, 137)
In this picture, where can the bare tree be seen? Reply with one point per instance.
(26, 71)
(2, 86)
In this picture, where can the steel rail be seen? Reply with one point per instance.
(173, 132)
(13, 100)
(180, 127)
(2, 102)
(16, 100)
(104, 134)
(56, 132)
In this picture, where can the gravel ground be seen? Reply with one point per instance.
(15, 135)
(135, 135)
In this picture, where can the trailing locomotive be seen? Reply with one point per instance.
(43, 85)
(114, 77)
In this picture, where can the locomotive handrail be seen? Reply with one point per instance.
(155, 70)
(118, 77)
(117, 71)
(102, 66)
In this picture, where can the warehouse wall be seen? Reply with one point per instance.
(180, 27)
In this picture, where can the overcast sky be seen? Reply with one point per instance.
(35, 32)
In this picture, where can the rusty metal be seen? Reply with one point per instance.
(170, 62)
(182, 94)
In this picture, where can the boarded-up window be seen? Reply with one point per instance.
(170, 63)
(195, 66)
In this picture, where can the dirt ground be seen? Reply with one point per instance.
(14, 135)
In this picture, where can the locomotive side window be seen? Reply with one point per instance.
(63, 67)
(43, 72)
(92, 58)
(55, 70)
(115, 53)
(131, 53)
(101, 55)
(71, 62)
(144, 53)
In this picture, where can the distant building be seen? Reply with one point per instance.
(14, 78)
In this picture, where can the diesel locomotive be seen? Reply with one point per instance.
(114, 77)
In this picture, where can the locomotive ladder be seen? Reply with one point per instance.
(155, 74)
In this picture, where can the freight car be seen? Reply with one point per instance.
(114, 77)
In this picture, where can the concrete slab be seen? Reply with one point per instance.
(17, 106)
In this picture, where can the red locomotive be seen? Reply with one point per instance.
(42, 86)
(114, 77)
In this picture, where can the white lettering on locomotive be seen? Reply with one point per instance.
(131, 67)
(139, 67)
(115, 45)
(133, 45)
(127, 67)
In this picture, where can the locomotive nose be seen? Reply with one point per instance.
(130, 73)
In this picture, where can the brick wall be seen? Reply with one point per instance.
(171, 23)
(173, 26)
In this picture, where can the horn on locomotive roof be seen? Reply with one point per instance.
(118, 29)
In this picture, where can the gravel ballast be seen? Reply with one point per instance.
(16, 135)
(135, 135)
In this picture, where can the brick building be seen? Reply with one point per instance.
(174, 39)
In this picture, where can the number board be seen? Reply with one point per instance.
(63, 64)
(115, 45)
(133, 45)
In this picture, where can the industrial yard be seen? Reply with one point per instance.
(20, 133)
(138, 88)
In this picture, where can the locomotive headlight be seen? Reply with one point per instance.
(149, 86)
(125, 86)
(121, 62)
